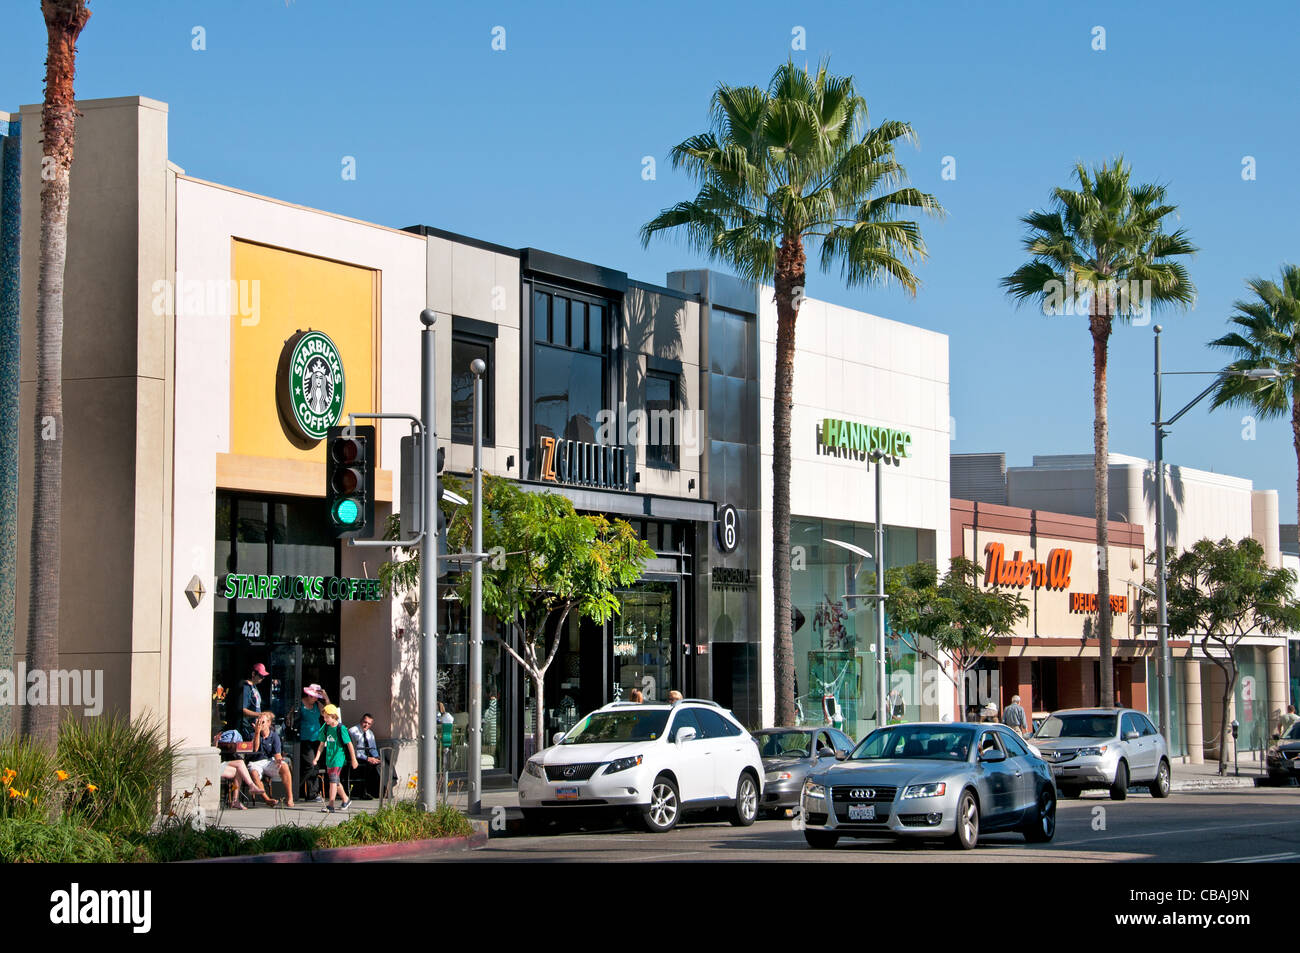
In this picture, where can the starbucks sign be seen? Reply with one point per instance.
(310, 385)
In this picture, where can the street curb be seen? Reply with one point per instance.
(335, 855)
(1214, 784)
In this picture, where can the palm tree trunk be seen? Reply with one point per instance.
(1100, 327)
(1295, 433)
(64, 20)
(790, 273)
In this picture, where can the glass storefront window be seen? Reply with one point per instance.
(644, 634)
(453, 685)
(1251, 697)
(835, 632)
(569, 365)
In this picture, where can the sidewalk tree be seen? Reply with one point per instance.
(64, 21)
(1266, 336)
(949, 620)
(547, 562)
(786, 171)
(1101, 250)
(1219, 593)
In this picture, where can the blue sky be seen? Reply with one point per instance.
(542, 144)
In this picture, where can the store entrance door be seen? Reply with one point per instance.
(646, 642)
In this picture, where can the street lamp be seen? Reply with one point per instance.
(882, 694)
(1162, 624)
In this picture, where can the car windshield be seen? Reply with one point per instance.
(604, 727)
(915, 741)
(1077, 726)
(783, 744)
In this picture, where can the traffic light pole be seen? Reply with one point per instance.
(429, 728)
(476, 605)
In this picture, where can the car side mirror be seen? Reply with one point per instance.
(992, 755)
(825, 753)
(1277, 736)
(841, 754)
(558, 737)
(685, 734)
(1131, 736)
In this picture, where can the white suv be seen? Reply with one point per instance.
(652, 760)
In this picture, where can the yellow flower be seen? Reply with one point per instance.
(13, 794)
(9, 776)
(61, 775)
(410, 785)
(91, 788)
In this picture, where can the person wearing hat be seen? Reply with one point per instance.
(250, 701)
(314, 698)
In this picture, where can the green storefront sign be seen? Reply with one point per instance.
(840, 435)
(333, 588)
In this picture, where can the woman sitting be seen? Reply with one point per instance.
(268, 762)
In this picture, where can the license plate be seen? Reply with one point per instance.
(862, 812)
(566, 794)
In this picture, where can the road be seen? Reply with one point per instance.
(1244, 826)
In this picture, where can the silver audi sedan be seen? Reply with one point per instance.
(789, 754)
(938, 780)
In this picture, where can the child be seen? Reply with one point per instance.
(336, 743)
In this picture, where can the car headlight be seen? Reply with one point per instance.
(934, 789)
(1096, 751)
(622, 764)
(812, 789)
(535, 769)
(779, 775)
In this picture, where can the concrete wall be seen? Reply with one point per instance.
(117, 374)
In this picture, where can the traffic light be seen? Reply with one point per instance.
(350, 481)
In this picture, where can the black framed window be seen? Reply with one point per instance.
(661, 424)
(570, 364)
(465, 348)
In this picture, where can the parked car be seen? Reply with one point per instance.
(1284, 756)
(1109, 748)
(938, 780)
(789, 754)
(652, 762)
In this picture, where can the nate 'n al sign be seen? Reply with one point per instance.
(841, 437)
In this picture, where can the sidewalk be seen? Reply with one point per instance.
(1205, 777)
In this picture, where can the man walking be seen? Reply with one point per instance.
(1013, 716)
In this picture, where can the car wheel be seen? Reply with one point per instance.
(1161, 785)
(746, 801)
(1041, 827)
(821, 840)
(968, 823)
(1119, 790)
(660, 815)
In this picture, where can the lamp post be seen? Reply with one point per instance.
(882, 690)
(1165, 664)
(478, 367)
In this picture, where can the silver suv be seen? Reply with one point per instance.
(1104, 748)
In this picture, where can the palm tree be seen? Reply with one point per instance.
(1101, 250)
(64, 20)
(1267, 338)
(783, 171)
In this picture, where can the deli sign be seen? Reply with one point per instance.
(1019, 573)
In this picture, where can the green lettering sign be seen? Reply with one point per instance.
(838, 436)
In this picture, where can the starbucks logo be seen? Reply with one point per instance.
(310, 385)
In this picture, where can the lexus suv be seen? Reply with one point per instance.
(652, 762)
(1110, 748)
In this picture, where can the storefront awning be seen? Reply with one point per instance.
(628, 504)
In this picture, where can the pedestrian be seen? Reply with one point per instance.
(314, 699)
(1286, 720)
(636, 697)
(250, 700)
(336, 745)
(1013, 716)
(989, 714)
(674, 697)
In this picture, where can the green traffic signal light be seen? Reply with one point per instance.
(347, 512)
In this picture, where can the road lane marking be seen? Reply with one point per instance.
(1185, 830)
(1257, 859)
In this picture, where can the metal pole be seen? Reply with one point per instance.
(476, 605)
(1164, 667)
(429, 728)
(881, 694)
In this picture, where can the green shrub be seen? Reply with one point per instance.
(130, 762)
(175, 842)
(400, 822)
(32, 840)
(288, 837)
